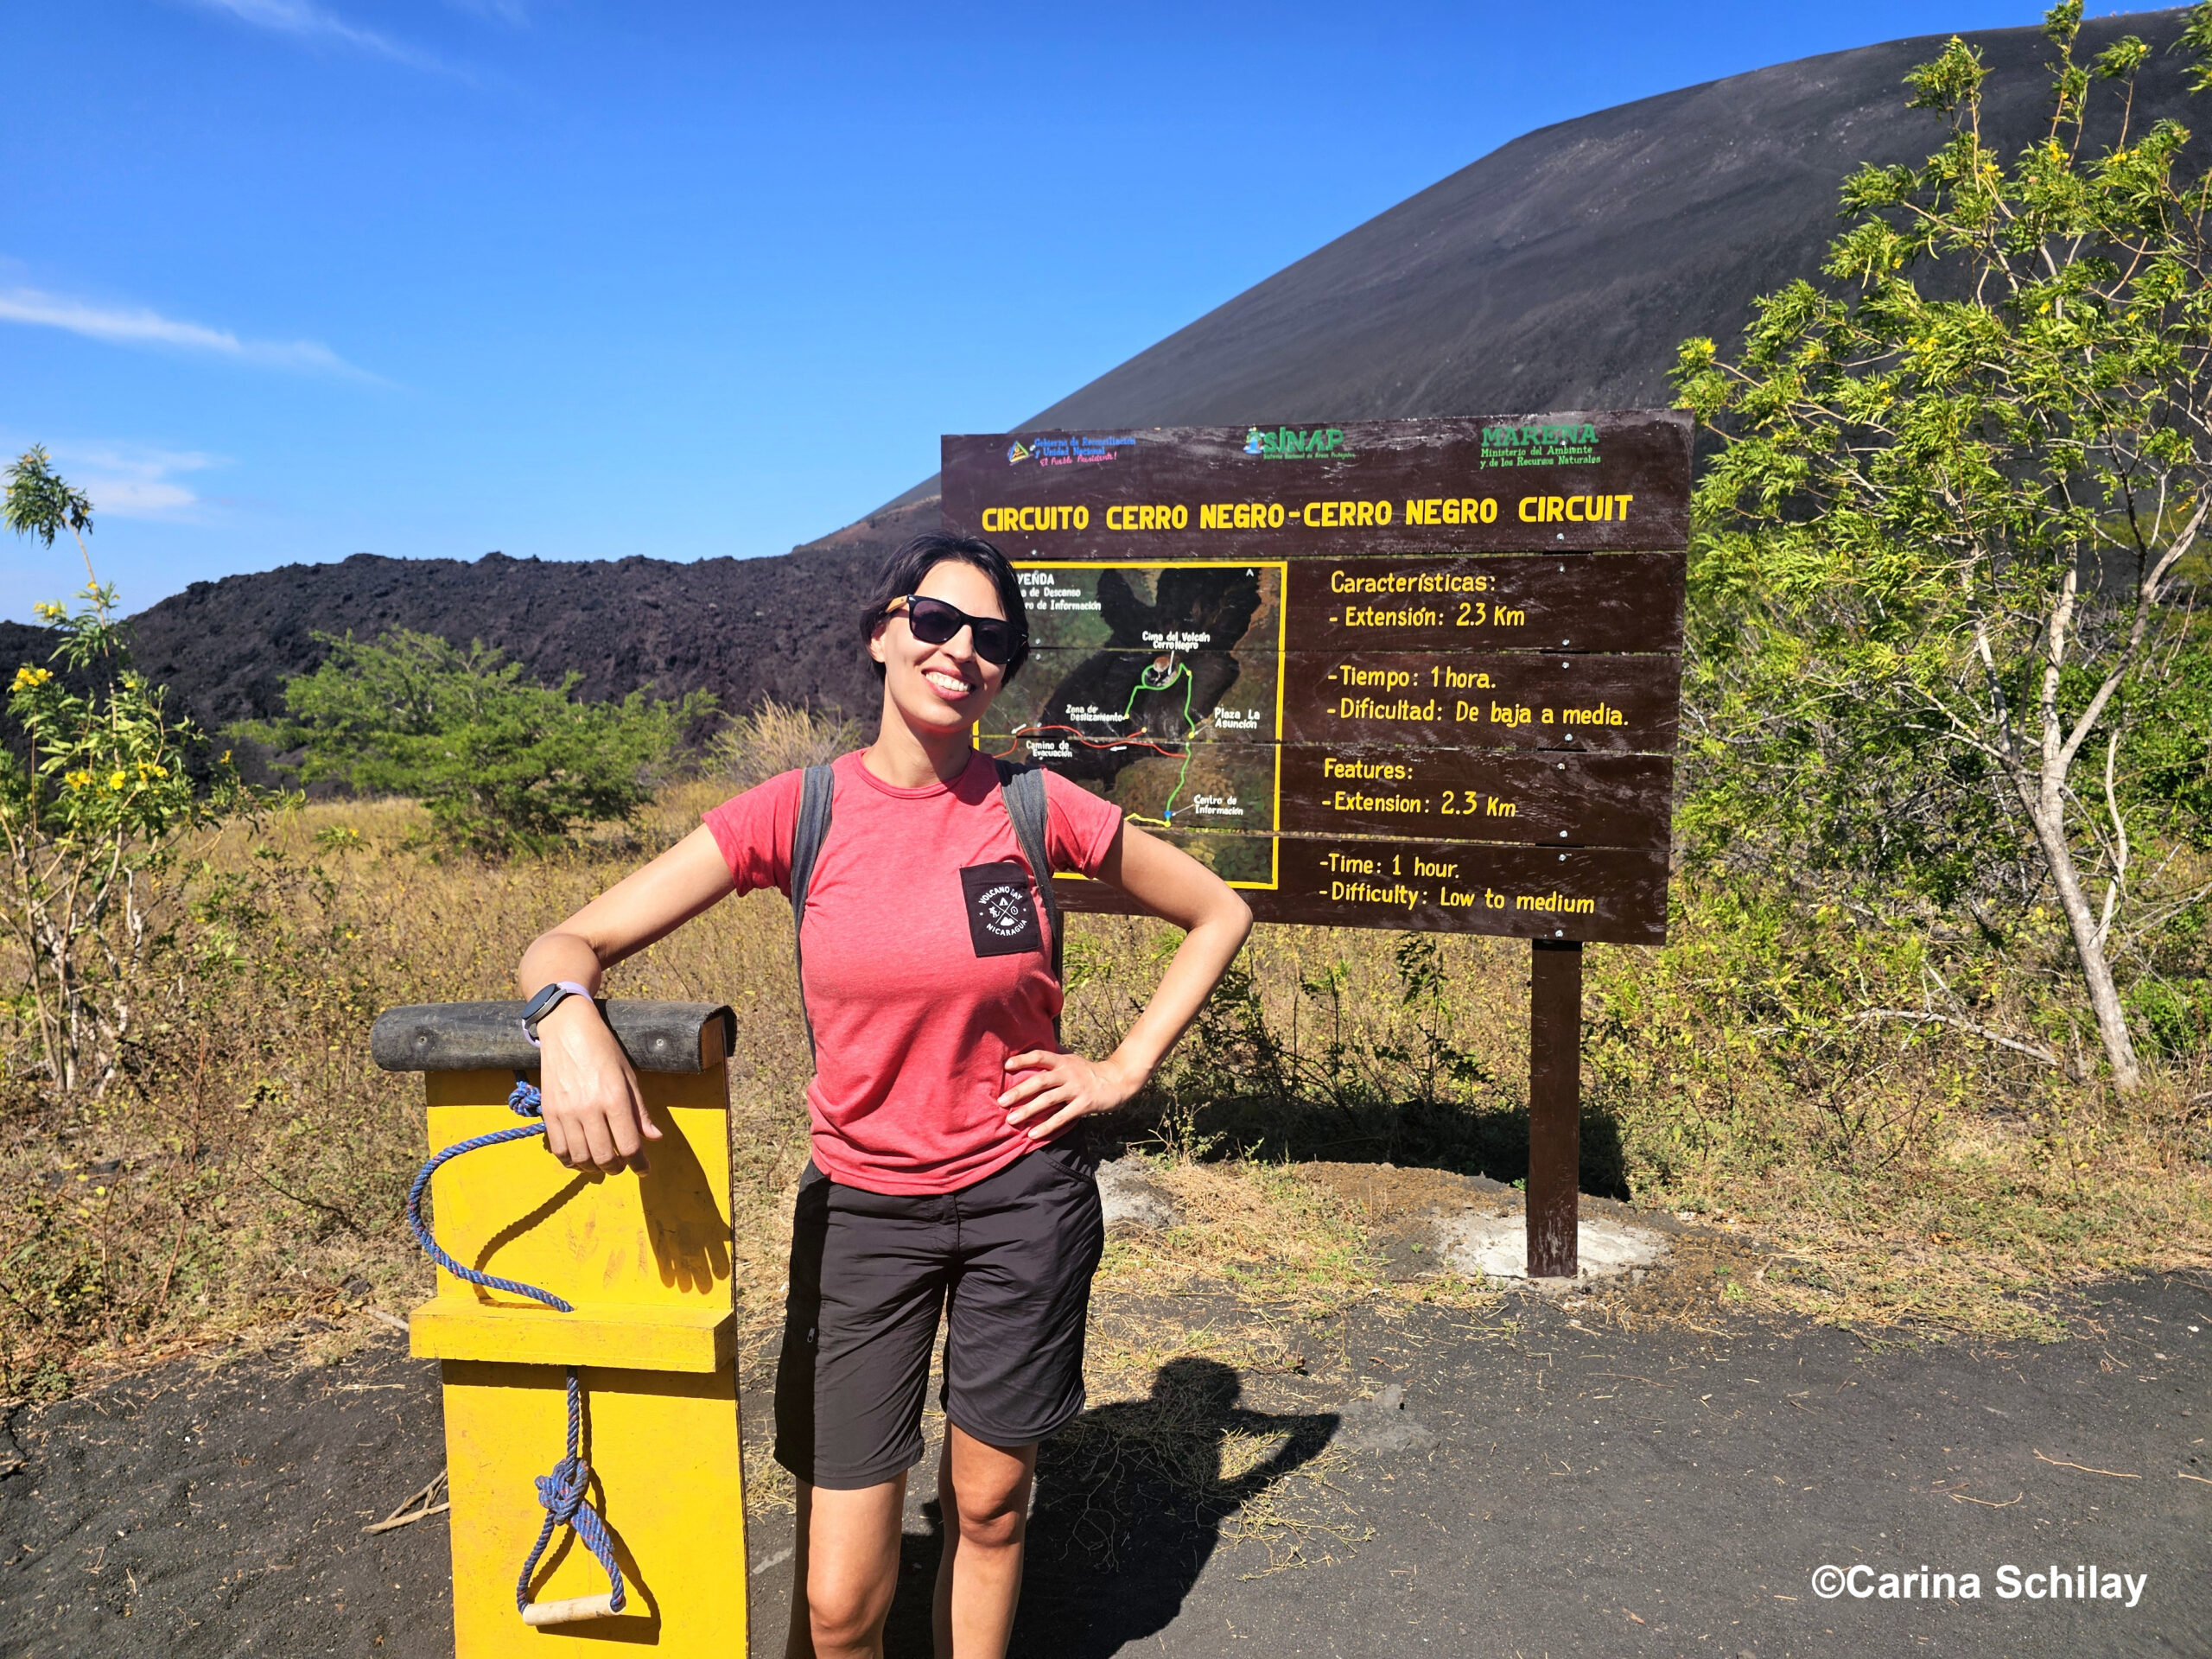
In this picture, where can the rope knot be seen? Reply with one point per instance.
(561, 1493)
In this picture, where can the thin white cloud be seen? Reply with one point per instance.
(304, 21)
(127, 480)
(513, 13)
(138, 326)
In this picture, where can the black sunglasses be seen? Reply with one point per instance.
(936, 623)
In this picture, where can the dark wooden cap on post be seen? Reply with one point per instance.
(478, 1036)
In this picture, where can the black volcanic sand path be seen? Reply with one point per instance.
(1551, 1486)
(199, 1511)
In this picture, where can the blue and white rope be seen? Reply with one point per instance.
(564, 1494)
(527, 1102)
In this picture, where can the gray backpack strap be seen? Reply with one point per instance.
(816, 788)
(1022, 788)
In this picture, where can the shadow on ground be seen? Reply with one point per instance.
(1131, 1500)
(1578, 1486)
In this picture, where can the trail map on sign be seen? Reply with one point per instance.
(1157, 685)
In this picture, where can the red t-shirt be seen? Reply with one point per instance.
(912, 1026)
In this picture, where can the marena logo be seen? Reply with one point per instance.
(1015, 453)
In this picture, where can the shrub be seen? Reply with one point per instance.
(502, 764)
(1940, 579)
(93, 795)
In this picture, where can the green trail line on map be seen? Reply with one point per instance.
(1176, 670)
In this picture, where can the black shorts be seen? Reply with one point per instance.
(1008, 1260)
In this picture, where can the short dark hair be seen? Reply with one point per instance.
(903, 572)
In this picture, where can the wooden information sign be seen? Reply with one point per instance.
(1406, 674)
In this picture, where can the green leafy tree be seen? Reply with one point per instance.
(93, 796)
(502, 764)
(39, 504)
(1954, 486)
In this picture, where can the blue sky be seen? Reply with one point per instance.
(285, 280)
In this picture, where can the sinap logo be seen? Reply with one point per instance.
(1284, 444)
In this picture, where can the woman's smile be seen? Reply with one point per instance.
(949, 686)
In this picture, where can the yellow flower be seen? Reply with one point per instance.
(26, 677)
(49, 610)
(79, 779)
(116, 780)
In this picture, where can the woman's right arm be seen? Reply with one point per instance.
(595, 1115)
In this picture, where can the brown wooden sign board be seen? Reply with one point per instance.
(1579, 800)
(1418, 675)
(1577, 704)
(1618, 601)
(1610, 894)
(1118, 700)
(1574, 603)
(1268, 643)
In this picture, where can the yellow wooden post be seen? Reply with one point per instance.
(646, 1259)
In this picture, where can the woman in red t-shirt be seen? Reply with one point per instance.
(940, 1185)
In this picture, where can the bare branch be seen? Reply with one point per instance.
(2146, 602)
(1929, 1016)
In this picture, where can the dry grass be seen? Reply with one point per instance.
(1978, 1235)
(1253, 1227)
(776, 737)
(247, 1173)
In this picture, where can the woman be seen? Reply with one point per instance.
(942, 1179)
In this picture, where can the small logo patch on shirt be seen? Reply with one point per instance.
(1002, 909)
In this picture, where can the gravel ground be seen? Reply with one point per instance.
(1543, 1483)
(197, 1511)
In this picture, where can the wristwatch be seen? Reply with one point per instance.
(545, 1002)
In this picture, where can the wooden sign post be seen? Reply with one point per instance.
(1420, 675)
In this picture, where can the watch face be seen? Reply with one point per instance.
(539, 1006)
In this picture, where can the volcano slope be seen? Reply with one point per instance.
(1563, 269)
